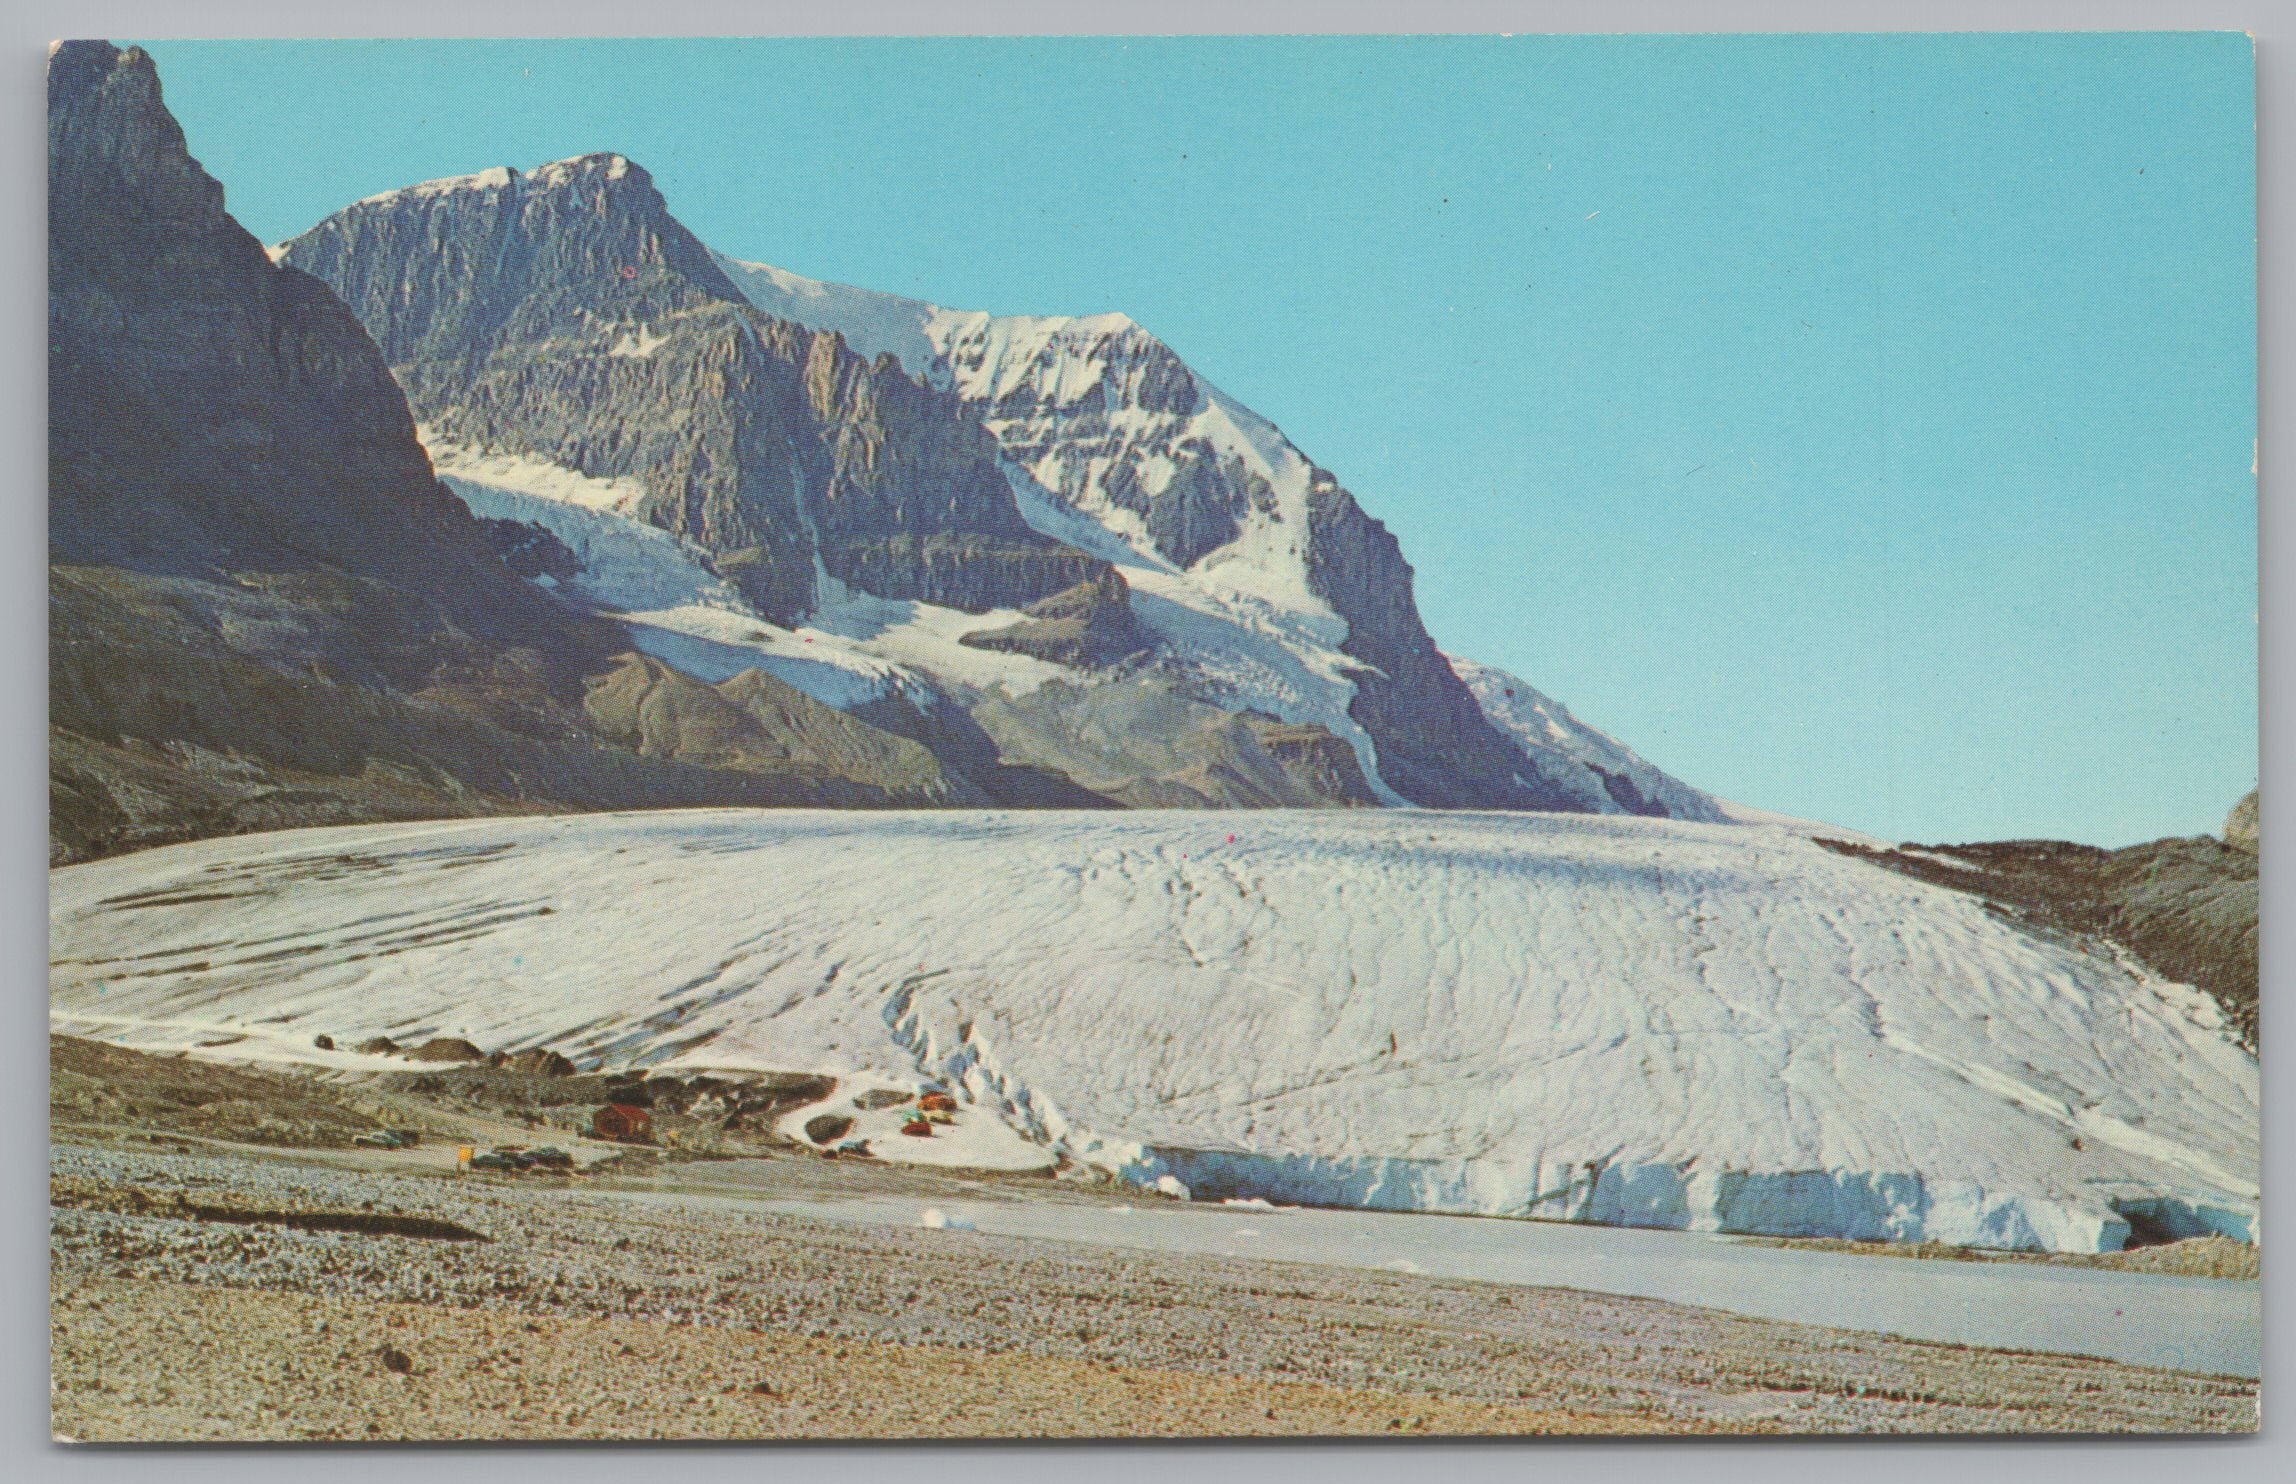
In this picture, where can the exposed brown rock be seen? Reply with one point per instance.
(758, 724)
(446, 1048)
(828, 1128)
(1088, 626)
(1139, 740)
(2241, 826)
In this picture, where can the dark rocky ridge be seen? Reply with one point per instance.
(568, 316)
(1436, 747)
(264, 610)
(2186, 907)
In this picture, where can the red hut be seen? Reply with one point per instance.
(622, 1122)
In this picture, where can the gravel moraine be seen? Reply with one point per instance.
(556, 1253)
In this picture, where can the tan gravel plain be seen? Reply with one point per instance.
(254, 1366)
(585, 1314)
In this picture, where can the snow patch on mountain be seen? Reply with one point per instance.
(1070, 398)
(857, 648)
(872, 323)
(1590, 1018)
(497, 178)
(1573, 754)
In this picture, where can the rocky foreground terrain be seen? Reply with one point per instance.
(205, 1288)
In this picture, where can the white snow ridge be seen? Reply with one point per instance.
(1588, 1018)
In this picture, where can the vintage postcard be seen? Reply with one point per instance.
(1058, 737)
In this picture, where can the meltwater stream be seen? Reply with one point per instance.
(2186, 1324)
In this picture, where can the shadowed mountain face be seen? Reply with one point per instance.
(1437, 748)
(265, 610)
(2186, 907)
(564, 315)
(210, 413)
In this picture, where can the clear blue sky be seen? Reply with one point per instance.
(1858, 427)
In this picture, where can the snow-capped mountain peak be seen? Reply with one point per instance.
(827, 449)
(1207, 501)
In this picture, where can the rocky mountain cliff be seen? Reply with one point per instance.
(822, 451)
(1112, 426)
(265, 610)
(1115, 426)
(565, 315)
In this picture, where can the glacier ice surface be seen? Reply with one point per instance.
(1584, 1018)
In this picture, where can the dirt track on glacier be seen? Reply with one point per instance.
(582, 1316)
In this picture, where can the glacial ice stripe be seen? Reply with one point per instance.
(1603, 1019)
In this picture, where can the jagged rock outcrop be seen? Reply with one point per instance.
(1141, 742)
(1436, 747)
(567, 316)
(2242, 827)
(1103, 412)
(1088, 626)
(264, 608)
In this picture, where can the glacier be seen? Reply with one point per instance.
(1590, 1018)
